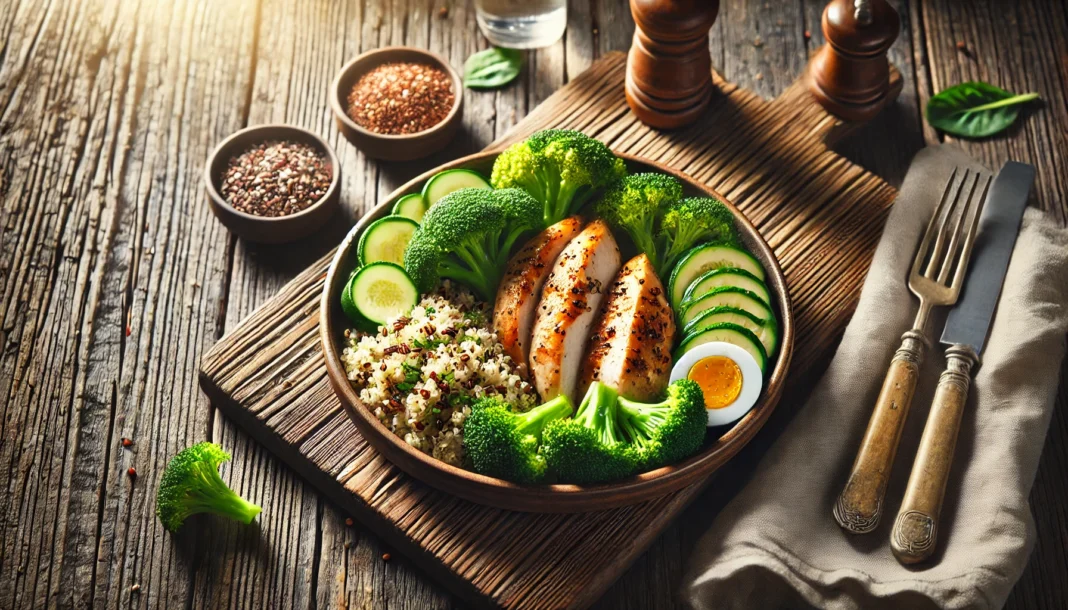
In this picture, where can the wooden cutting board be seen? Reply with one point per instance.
(820, 213)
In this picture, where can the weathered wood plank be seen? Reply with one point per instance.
(96, 153)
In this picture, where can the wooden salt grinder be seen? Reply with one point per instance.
(850, 75)
(669, 70)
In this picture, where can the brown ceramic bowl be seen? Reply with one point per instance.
(395, 147)
(549, 498)
(270, 229)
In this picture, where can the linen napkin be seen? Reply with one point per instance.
(776, 543)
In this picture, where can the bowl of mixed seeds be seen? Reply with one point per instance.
(398, 103)
(273, 183)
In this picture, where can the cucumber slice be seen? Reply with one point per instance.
(704, 258)
(348, 306)
(726, 276)
(381, 291)
(443, 183)
(729, 296)
(767, 331)
(410, 206)
(385, 240)
(728, 333)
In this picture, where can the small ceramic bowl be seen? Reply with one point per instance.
(395, 147)
(270, 229)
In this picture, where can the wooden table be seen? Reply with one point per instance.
(115, 277)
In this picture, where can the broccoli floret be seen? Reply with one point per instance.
(589, 448)
(668, 431)
(560, 168)
(634, 203)
(504, 444)
(191, 484)
(467, 236)
(689, 222)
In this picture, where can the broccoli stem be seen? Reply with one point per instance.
(213, 495)
(534, 421)
(640, 420)
(598, 412)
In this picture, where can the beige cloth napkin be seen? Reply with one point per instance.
(776, 543)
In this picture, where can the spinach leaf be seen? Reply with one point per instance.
(975, 110)
(492, 68)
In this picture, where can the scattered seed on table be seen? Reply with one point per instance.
(401, 98)
(386, 557)
(276, 179)
(126, 442)
(131, 473)
(348, 521)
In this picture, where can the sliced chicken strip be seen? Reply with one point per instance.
(569, 304)
(520, 290)
(630, 346)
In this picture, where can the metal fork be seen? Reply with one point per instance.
(937, 273)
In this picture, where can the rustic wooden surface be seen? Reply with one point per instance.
(116, 279)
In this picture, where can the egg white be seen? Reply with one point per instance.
(752, 378)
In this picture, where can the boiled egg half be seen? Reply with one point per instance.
(729, 377)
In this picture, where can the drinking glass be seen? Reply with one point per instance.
(522, 24)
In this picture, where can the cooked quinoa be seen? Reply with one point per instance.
(421, 372)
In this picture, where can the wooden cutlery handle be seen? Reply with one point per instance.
(860, 506)
(916, 527)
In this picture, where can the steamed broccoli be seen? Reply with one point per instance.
(191, 484)
(558, 167)
(668, 431)
(590, 448)
(634, 203)
(504, 444)
(467, 236)
(689, 222)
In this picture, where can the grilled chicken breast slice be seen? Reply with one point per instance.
(520, 290)
(569, 304)
(630, 346)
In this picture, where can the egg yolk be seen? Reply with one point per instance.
(720, 380)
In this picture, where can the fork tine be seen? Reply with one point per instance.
(935, 256)
(950, 259)
(969, 239)
(932, 225)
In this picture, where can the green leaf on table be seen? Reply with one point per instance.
(975, 110)
(492, 68)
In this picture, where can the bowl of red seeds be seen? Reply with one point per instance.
(273, 183)
(398, 103)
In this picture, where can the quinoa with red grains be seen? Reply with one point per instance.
(401, 98)
(276, 179)
(433, 363)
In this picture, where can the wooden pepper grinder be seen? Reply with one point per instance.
(669, 70)
(850, 75)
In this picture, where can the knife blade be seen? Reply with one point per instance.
(968, 322)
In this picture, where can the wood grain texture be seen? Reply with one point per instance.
(107, 110)
(268, 374)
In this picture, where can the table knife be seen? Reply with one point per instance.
(915, 530)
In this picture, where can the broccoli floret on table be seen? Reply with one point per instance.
(560, 168)
(191, 484)
(504, 444)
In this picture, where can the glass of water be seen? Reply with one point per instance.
(522, 24)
